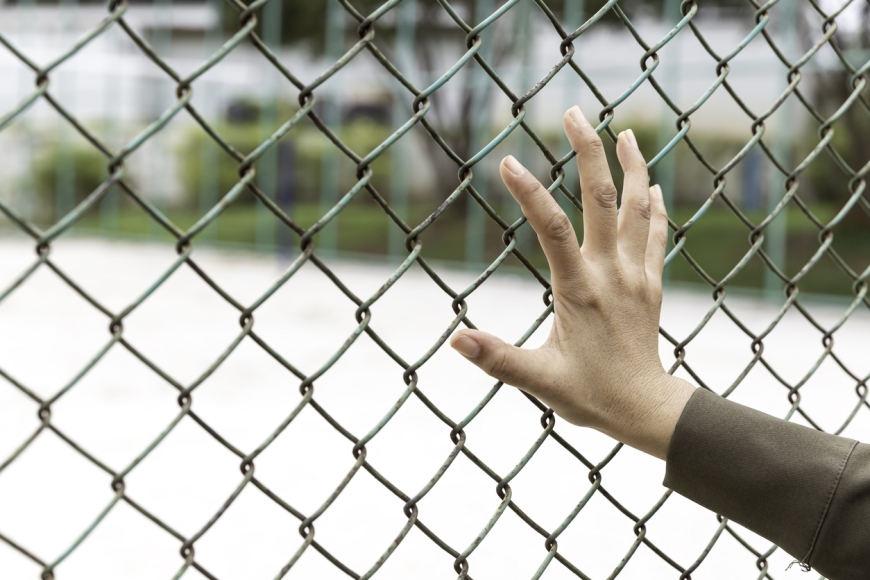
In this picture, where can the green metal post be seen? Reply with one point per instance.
(327, 238)
(209, 176)
(65, 175)
(400, 154)
(775, 234)
(573, 18)
(267, 166)
(475, 218)
(670, 80)
(114, 97)
(25, 196)
(163, 46)
(526, 238)
(525, 78)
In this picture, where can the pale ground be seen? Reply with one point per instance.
(50, 494)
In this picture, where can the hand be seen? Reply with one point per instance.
(600, 366)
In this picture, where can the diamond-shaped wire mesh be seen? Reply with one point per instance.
(474, 54)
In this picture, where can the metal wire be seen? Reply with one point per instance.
(248, 16)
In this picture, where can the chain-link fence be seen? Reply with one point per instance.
(833, 99)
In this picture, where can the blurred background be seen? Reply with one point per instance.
(115, 90)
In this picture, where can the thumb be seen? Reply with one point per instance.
(515, 366)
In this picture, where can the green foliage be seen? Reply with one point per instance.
(825, 178)
(66, 174)
(303, 21)
(307, 143)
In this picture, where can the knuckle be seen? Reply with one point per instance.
(497, 366)
(637, 282)
(589, 299)
(654, 289)
(632, 282)
(623, 279)
(592, 144)
(643, 209)
(559, 227)
(606, 280)
(604, 194)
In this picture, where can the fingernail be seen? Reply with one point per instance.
(512, 165)
(629, 134)
(466, 346)
(578, 116)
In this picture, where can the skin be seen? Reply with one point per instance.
(600, 366)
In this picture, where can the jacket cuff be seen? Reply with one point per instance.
(774, 477)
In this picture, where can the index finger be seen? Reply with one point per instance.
(546, 217)
(596, 186)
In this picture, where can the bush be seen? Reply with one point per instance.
(71, 170)
(307, 144)
(824, 179)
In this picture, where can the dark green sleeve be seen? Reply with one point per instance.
(806, 491)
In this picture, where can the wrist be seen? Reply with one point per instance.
(648, 412)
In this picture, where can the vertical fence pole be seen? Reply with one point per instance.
(572, 19)
(113, 98)
(27, 196)
(526, 238)
(776, 232)
(65, 173)
(670, 79)
(209, 155)
(159, 180)
(400, 154)
(475, 218)
(525, 79)
(267, 166)
(327, 238)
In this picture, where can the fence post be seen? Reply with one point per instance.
(475, 219)
(113, 97)
(26, 195)
(209, 181)
(159, 178)
(400, 155)
(666, 169)
(526, 238)
(574, 15)
(267, 166)
(327, 238)
(776, 233)
(65, 176)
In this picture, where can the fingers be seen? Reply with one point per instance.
(658, 235)
(634, 213)
(553, 227)
(514, 366)
(596, 185)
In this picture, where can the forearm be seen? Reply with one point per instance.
(806, 491)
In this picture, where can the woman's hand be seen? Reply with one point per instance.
(600, 365)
